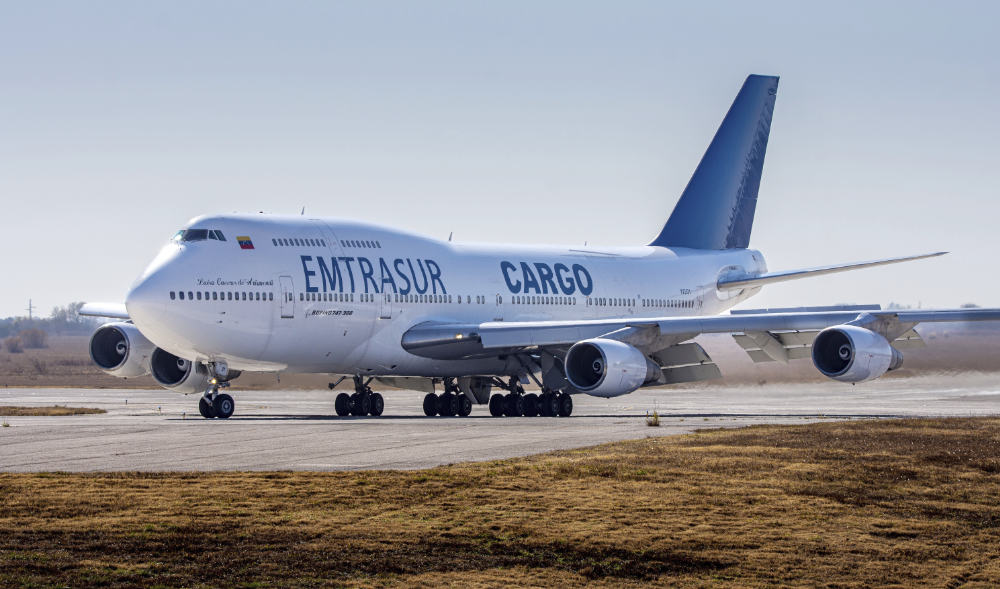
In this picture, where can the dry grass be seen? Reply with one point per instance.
(56, 410)
(836, 504)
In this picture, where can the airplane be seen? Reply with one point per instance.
(258, 292)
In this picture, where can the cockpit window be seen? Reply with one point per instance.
(193, 235)
(199, 235)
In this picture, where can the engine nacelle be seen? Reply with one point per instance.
(608, 368)
(178, 374)
(849, 353)
(121, 350)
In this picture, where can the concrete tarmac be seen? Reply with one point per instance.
(157, 430)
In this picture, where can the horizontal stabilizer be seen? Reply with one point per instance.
(744, 281)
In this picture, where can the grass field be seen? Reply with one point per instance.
(913, 502)
(55, 410)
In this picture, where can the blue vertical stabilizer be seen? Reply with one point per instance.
(716, 210)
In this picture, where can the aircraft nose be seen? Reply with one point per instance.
(142, 301)
(147, 299)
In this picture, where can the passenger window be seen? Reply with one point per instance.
(215, 296)
(199, 295)
(172, 295)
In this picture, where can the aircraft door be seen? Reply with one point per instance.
(287, 297)
(385, 306)
(498, 315)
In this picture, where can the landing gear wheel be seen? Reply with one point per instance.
(205, 408)
(342, 404)
(361, 404)
(565, 405)
(549, 405)
(464, 406)
(496, 405)
(448, 404)
(513, 405)
(430, 405)
(530, 405)
(224, 406)
(378, 404)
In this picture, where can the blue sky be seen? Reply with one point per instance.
(549, 122)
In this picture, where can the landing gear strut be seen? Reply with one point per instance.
(516, 403)
(362, 402)
(450, 403)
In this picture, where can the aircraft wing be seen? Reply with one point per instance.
(112, 310)
(453, 341)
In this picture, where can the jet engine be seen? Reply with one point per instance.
(608, 368)
(849, 353)
(121, 350)
(178, 374)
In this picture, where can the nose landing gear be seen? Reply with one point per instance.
(214, 404)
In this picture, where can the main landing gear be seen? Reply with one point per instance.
(517, 404)
(214, 404)
(362, 402)
(450, 403)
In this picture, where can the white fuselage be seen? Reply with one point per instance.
(335, 296)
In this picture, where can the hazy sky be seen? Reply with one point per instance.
(550, 122)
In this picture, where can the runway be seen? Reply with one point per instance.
(157, 430)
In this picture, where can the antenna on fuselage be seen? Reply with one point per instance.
(450, 235)
(303, 211)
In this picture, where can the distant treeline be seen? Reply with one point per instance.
(63, 320)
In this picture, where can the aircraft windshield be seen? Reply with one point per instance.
(199, 235)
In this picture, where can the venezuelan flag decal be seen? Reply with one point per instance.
(244, 241)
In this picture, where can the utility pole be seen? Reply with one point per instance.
(31, 308)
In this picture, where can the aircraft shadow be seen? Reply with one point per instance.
(666, 416)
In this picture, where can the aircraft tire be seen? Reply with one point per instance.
(224, 406)
(378, 404)
(360, 404)
(530, 402)
(342, 404)
(364, 404)
(543, 405)
(430, 404)
(464, 406)
(513, 405)
(448, 405)
(565, 405)
(205, 408)
(497, 405)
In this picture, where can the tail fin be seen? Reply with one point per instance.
(717, 207)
